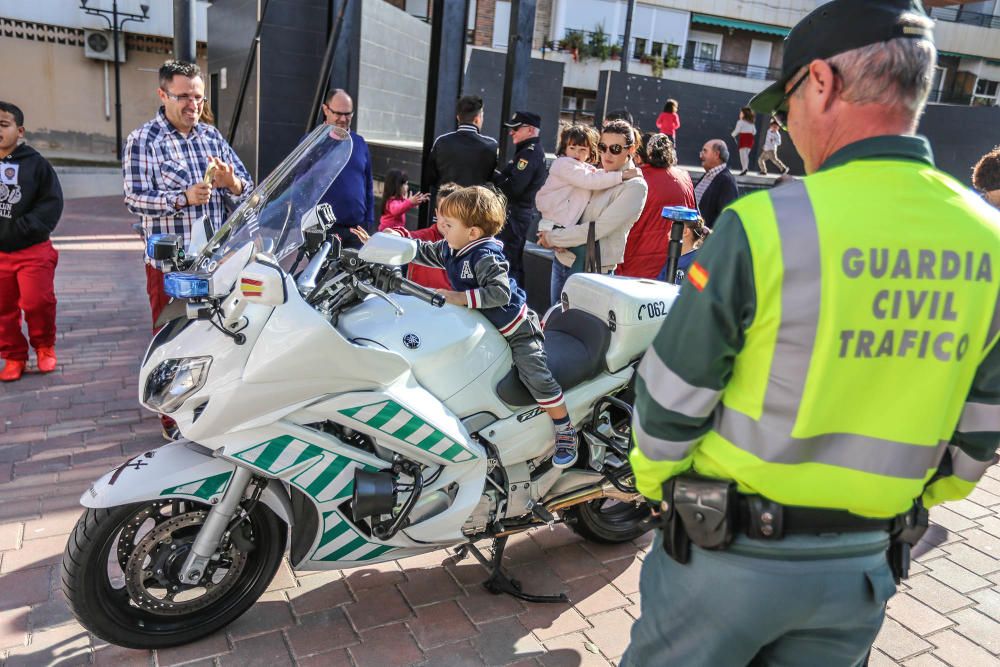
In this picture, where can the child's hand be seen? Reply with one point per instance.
(419, 198)
(631, 173)
(453, 297)
(361, 234)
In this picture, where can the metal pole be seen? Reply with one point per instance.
(185, 45)
(118, 82)
(628, 36)
(247, 69)
(515, 82)
(323, 84)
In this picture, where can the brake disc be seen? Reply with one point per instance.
(153, 569)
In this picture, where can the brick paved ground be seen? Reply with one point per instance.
(59, 432)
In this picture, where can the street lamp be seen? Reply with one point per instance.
(115, 21)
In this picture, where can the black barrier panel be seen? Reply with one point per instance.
(706, 113)
(959, 136)
(484, 77)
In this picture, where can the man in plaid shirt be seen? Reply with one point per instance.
(164, 164)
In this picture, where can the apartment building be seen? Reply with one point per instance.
(729, 44)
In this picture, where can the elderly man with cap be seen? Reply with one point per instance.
(844, 375)
(520, 180)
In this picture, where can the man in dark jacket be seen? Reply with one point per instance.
(31, 202)
(464, 156)
(352, 195)
(717, 189)
(520, 180)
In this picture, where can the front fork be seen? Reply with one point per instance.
(207, 542)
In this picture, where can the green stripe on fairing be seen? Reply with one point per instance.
(209, 486)
(431, 440)
(377, 551)
(309, 452)
(384, 415)
(323, 480)
(334, 533)
(273, 450)
(452, 452)
(409, 428)
(353, 545)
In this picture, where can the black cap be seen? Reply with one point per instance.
(836, 27)
(524, 118)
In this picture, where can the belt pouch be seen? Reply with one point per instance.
(707, 509)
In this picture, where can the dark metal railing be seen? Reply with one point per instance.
(962, 15)
(726, 67)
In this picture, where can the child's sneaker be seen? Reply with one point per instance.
(566, 445)
(46, 359)
(12, 371)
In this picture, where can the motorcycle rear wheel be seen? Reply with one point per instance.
(99, 558)
(607, 521)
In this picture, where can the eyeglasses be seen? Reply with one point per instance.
(184, 99)
(614, 149)
(780, 112)
(340, 114)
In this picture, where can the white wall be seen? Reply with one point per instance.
(67, 13)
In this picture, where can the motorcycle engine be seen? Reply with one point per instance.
(483, 514)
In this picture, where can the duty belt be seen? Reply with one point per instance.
(759, 518)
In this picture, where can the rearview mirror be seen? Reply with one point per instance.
(389, 249)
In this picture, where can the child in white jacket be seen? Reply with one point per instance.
(572, 178)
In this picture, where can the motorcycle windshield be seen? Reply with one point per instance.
(271, 216)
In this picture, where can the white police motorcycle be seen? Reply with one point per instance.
(331, 406)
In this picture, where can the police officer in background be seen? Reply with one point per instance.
(845, 375)
(520, 180)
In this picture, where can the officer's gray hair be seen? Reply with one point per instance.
(898, 72)
(721, 149)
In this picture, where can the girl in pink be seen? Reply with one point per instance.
(744, 133)
(572, 178)
(396, 200)
(669, 121)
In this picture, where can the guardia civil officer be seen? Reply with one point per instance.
(845, 368)
(520, 180)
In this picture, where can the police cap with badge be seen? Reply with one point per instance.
(833, 28)
(524, 118)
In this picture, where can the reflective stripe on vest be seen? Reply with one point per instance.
(770, 437)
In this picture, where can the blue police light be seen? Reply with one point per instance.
(679, 213)
(181, 285)
(151, 243)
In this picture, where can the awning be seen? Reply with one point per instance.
(707, 19)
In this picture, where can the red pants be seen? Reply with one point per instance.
(27, 285)
(154, 288)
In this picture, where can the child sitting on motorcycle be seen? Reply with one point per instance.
(478, 273)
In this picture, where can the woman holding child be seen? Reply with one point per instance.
(597, 239)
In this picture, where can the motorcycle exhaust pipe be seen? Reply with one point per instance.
(589, 493)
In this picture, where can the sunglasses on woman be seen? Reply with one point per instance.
(614, 149)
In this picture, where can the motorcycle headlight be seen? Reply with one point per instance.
(170, 383)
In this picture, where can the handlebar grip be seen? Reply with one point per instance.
(424, 294)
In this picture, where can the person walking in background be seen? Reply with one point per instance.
(605, 224)
(770, 152)
(352, 194)
(520, 181)
(669, 120)
(646, 247)
(695, 233)
(745, 134)
(717, 188)
(986, 177)
(31, 202)
(465, 156)
(397, 200)
(571, 182)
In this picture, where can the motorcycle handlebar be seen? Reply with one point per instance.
(411, 288)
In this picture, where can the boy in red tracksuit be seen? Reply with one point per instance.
(31, 202)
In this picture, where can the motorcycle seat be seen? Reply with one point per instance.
(576, 344)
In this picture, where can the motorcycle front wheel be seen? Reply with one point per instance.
(120, 572)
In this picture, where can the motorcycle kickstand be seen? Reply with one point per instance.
(499, 582)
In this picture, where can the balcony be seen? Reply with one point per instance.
(733, 69)
(964, 16)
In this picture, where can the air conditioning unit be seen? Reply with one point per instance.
(97, 44)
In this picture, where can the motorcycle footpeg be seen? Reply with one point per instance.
(540, 513)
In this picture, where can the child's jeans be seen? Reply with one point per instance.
(27, 285)
(527, 347)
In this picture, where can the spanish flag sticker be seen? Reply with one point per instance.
(698, 276)
(251, 287)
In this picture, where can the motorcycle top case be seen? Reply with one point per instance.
(633, 308)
